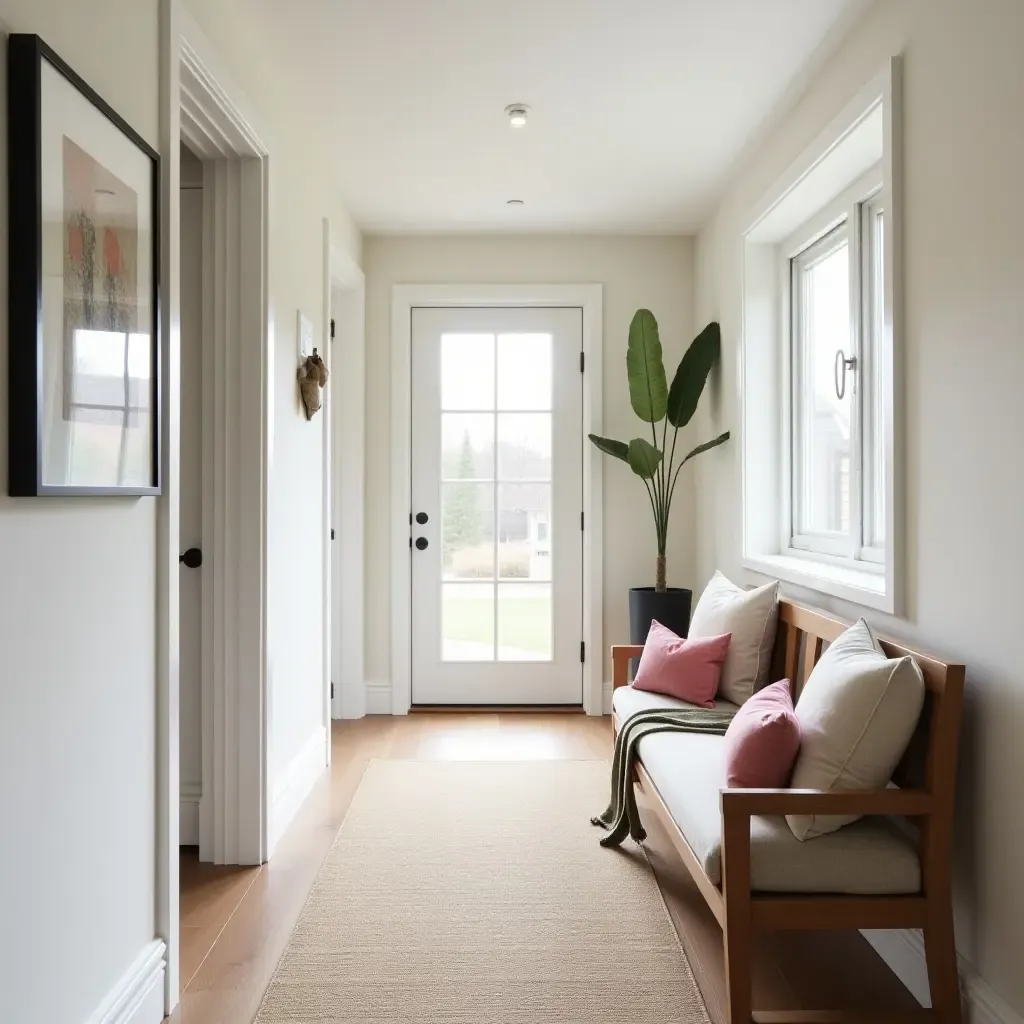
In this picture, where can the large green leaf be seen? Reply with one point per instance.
(643, 458)
(645, 368)
(688, 383)
(619, 449)
(706, 446)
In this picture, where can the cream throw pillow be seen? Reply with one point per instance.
(750, 616)
(857, 713)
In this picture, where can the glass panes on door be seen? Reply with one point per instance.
(496, 471)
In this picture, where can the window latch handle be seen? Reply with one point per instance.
(842, 364)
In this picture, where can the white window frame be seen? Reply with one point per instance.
(826, 184)
(841, 222)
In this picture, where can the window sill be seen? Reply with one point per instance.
(855, 585)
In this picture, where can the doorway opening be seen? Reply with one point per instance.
(212, 791)
(212, 890)
(496, 501)
(232, 396)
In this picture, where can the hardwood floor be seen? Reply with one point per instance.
(236, 921)
(210, 894)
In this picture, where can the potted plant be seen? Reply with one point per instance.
(657, 403)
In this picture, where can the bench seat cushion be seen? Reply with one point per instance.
(869, 857)
(626, 701)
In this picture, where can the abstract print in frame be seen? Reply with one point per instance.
(84, 345)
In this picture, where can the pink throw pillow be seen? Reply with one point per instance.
(762, 741)
(685, 669)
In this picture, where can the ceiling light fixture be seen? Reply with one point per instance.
(517, 114)
(515, 202)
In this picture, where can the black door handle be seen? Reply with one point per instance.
(193, 558)
(421, 543)
(422, 518)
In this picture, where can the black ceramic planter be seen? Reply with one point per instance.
(671, 608)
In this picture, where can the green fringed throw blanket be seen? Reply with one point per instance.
(621, 816)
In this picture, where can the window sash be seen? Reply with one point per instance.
(856, 219)
(802, 399)
(872, 228)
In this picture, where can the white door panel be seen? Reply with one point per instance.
(497, 480)
(191, 512)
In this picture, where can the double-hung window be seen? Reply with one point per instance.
(834, 276)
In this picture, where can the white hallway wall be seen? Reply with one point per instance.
(303, 192)
(964, 363)
(78, 582)
(78, 636)
(656, 272)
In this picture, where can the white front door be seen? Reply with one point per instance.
(497, 504)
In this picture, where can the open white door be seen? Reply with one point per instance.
(497, 500)
(190, 523)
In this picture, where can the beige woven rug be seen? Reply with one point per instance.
(476, 892)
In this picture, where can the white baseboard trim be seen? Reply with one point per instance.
(903, 951)
(295, 782)
(188, 813)
(350, 701)
(378, 698)
(138, 997)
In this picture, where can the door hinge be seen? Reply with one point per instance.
(581, 520)
(583, 650)
(332, 328)
(332, 691)
(332, 533)
(582, 360)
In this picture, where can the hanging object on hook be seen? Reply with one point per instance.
(312, 377)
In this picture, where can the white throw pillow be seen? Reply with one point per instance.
(750, 616)
(857, 713)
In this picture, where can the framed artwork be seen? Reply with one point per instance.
(84, 343)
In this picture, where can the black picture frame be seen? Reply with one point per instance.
(26, 57)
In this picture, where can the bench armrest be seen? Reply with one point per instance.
(746, 803)
(621, 653)
(739, 805)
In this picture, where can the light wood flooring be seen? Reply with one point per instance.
(236, 921)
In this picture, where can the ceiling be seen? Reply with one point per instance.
(640, 108)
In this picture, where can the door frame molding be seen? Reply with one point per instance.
(236, 356)
(200, 103)
(345, 494)
(405, 298)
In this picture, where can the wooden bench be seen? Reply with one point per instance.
(926, 784)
